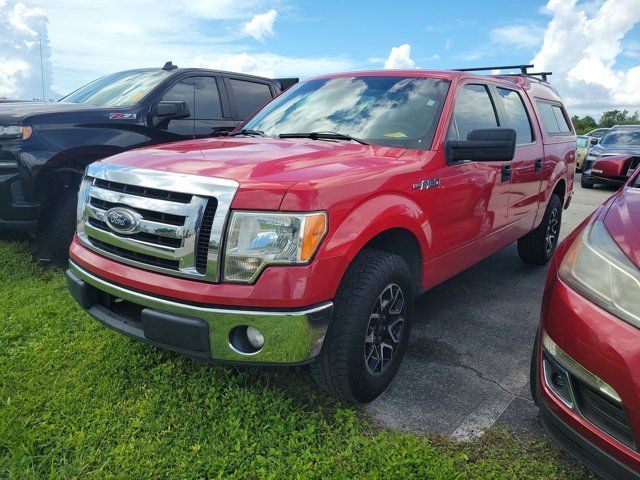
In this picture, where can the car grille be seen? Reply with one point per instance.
(179, 219)
(603, 412)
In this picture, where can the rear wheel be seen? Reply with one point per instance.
(538, 246)
(370, 328)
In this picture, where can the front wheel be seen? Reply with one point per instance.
(58, 227)
(369, 330)
(538, 246)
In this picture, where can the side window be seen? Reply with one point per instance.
(182, 91)
(517, 117)
(560, 118)
(553, 119)
(474, 109)
(249, 96)
(207, 99)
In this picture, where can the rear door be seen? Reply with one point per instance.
(212, 111)
(527, 167)
(247, 95)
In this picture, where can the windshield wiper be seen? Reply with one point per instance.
(322, 136)
(248, 132)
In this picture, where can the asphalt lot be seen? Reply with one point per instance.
(467, 364)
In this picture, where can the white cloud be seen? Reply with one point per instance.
(400, 58)
(273, 65)
(581, 46)
(520, 35)
(21, 30)
(261, 26)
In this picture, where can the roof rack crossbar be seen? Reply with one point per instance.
(523, 68)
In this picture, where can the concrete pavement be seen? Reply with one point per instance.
(467, 364)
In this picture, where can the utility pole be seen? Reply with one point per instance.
(44, 99)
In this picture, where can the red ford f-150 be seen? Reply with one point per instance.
(305, 235)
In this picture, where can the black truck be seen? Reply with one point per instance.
(45, 147)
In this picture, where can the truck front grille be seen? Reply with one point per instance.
(178, 219)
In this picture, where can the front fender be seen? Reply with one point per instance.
(371, 218)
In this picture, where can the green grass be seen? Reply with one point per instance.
(80, 401)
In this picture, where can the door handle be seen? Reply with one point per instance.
(506, 172)
(538, 165)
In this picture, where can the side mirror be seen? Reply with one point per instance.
(593, 141)
(220, 133)
(484, 145)
(172, 110)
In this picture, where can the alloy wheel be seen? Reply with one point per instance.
(385, 328)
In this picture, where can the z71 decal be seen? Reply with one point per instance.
(122, 116)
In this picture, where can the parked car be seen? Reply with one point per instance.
(582, 146)
(45, 147)
(598, 133)
(305, 237)
(620, 140)
(585, 361)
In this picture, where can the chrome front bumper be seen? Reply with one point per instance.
(291, 337)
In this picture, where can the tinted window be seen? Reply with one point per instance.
(249, 96)
(517, 117)
(182, 91)
(390, 110)
(207, 99)
(560, 118)
(473, 110)
(553, 119)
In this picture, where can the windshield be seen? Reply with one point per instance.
(621, 137)
(118, 89)
(390, 111)
(582, 142)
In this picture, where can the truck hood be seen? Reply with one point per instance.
(622, 221)
(615, 150)
(261, 160)
(27, 112)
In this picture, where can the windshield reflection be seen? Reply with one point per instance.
(392, 111)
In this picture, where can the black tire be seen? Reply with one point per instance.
(57, 229)
(539, 245)
(346, 366)
(585, 181)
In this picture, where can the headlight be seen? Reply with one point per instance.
(15, 133)
(596, 267)
(256, 240)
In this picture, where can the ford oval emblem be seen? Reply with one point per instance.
(122, 220)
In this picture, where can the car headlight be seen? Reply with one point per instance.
(256, 240)
(14, 132)
(596, 267)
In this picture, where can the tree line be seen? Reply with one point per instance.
(609, 119)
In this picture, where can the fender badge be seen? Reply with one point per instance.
(427, 184)
(122, 116)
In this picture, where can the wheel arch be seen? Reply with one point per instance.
(391, 223)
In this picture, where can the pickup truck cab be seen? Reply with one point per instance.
(305, 238)
(45, 147)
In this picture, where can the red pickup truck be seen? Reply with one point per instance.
(304, 236)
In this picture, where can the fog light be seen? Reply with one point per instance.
(255, 337)
(246, 340)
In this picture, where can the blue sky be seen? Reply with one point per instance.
(593, 46)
